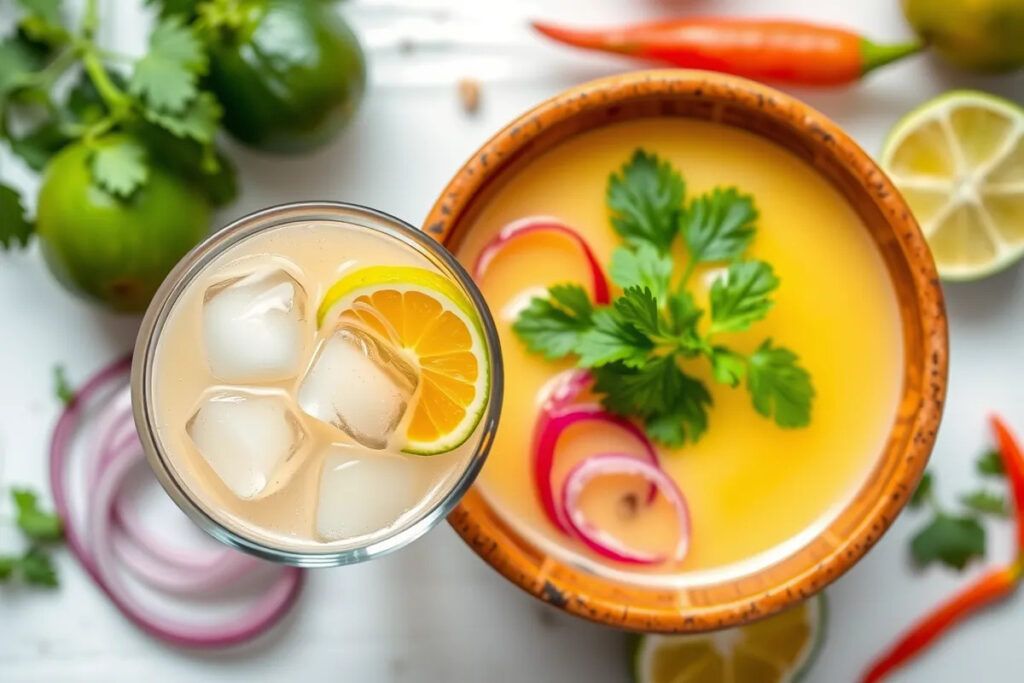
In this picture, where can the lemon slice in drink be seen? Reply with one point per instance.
(779, 649)
(432, 321)
(959, 161)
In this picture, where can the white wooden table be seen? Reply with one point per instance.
(435, 612)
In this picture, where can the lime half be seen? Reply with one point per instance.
(959, 161)
(779, 649)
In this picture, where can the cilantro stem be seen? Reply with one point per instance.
(89, 20)
(690, 266)
(114, 97)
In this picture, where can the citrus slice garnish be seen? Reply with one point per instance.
(429, 318)
(779, 649)
(959, 161)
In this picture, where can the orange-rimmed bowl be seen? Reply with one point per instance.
(819, 142)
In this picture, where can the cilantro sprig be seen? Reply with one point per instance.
(641, 347)
(156, 104)
(34, 566)
(952, 538)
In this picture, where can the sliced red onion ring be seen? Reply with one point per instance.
(97, 550)
(603, 543)
(535, 224)
(551, 423)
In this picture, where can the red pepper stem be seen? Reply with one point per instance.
(874, 55)
(988, 588)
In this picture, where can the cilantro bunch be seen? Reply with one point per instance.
(156, 100)
(640, 347)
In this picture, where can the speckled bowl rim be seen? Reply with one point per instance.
(666, 610)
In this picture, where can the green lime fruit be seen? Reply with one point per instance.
(779, 649)
(112, 250)
(979, 35)
(958, 159)
(289, 73)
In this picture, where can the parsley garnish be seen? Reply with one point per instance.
(34, 566)
(638, 347)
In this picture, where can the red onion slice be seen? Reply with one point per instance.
(117, 451)
(604, 543)
(552, 421)
(534, 224)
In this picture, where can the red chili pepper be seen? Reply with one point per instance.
(1013, 463)
(992, 586)
(772, 50)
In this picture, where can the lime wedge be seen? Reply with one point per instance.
(779, 649)
(959, 161)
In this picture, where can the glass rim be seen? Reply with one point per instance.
(183, 275)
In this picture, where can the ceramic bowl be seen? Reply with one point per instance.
(822, 144)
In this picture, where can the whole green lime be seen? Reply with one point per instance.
(112, 250)
(979, 35)
(289, 73)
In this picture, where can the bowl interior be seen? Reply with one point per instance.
(822, 145)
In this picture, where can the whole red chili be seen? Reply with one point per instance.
(992, 586)
(772, 50)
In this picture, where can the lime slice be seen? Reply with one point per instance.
(959, 161)
(779, 649)
(435, 325)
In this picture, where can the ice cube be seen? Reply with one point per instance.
(246, 438)
(359, 384)
(362, 493)
(254, 326)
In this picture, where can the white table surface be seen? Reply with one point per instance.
(435, 612)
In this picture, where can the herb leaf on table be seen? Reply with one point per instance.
(638, 345)
(953, 538)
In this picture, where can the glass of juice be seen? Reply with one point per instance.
(317, 384)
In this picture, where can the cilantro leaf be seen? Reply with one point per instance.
(7, 565)
(727, 367)
(38, 146)
(661, 392)
(15, 228)
(37, 569)
(645, 199)
(953, 541)
(643, 266)
(740, 296)
(198, 120)
(689, 419)
(985, 502)
(190, 159)
(553, 326)
(61, 387)
(684, 315)
(638, 307)
(169, 7)
(120, 167)
(33, 522)
(611, 338)
(166, 78)
(44, 20)
(718, 226)
(19, 58)
(779, 386)
(923, 492)
(990, 464)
